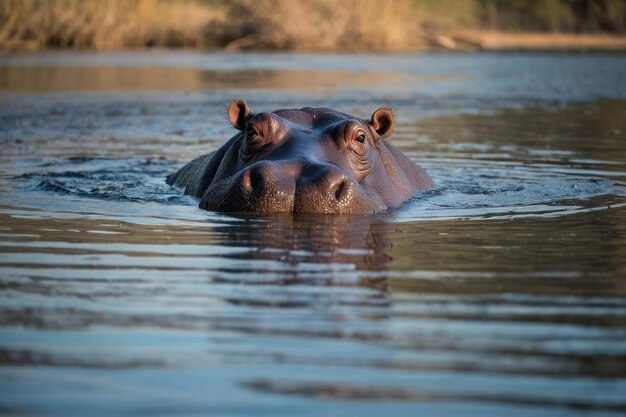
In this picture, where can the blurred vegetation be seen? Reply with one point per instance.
(106, 24)
(286, 24)
(577, 16)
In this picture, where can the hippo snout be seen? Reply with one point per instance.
(324, 190)
(265, 177)
(294, 187)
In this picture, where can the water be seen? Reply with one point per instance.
(502, 292)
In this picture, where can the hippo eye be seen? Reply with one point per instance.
(361, 138)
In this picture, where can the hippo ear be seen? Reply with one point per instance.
(239, 113)
(383, 122)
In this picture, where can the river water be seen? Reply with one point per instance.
(501, 292)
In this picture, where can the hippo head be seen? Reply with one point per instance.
(309, 160)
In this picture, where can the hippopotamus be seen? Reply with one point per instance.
(308, 160)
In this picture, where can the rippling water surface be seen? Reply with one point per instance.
(502, 292)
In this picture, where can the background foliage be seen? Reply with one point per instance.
(285, 24)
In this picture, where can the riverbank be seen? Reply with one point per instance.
(503, 41)
(465, 40)
(318, 25)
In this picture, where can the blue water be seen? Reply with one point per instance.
(501, 292)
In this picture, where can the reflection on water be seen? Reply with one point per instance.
(88, 79)
(503, 292)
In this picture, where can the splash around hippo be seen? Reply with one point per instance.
(309, 160)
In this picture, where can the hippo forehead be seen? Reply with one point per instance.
(314, 118)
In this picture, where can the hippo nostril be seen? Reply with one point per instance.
(252, 180)
(256, 179)
(341, 188)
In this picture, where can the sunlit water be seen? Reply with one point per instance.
(502, 292)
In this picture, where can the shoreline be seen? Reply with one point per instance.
(534, 42)
(469, 40)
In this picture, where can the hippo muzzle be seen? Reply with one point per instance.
(303, 161)
(291, 186)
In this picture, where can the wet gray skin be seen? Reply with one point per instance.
(303, 161)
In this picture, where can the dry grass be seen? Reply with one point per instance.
(240, 24)
(325, 25)
(105, 24)
(315, 25)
